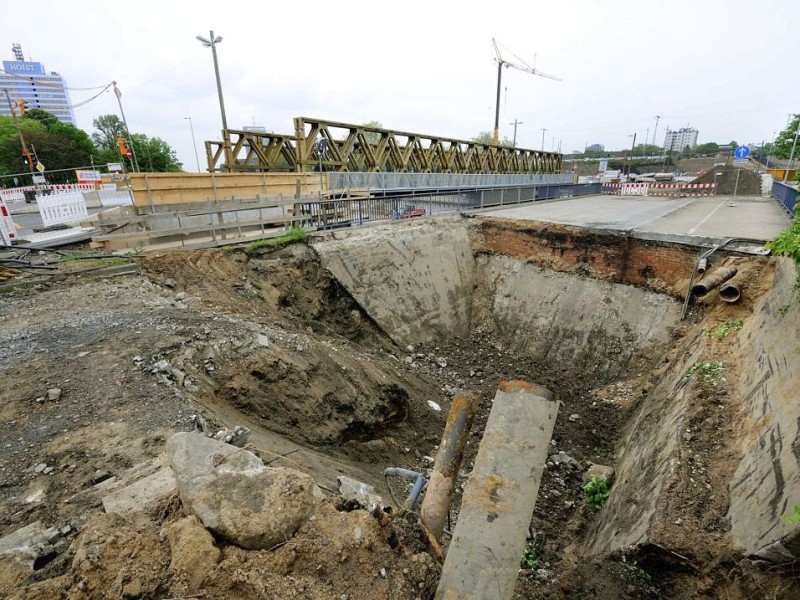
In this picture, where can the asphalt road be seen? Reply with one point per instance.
(706, 217)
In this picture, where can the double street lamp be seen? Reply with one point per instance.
(211, 42)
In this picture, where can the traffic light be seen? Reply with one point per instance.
(23, 106)
(123, 149)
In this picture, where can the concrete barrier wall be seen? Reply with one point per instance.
(176, 189)
(564, 318)
(414, 279)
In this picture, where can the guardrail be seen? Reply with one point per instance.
(786, 195)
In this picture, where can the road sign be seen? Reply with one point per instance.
(740, 162)
(603, 166)
(40, 167)
(742, 152)
(115, 167)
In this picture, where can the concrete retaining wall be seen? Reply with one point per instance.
(563, 318)
(414, 279)
(766, 484)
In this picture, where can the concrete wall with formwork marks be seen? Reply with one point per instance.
(766, 484)
(564, 318)
(414, 279)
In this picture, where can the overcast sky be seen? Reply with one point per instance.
(727, 68)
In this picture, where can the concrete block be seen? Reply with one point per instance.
(483, 559)
(135, 497)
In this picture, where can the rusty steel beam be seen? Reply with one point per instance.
(448, 461)
(352, 147)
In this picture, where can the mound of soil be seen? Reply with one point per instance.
(749, 183)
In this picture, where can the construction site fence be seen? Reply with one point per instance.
(371, 181)
(658, 189)
(786, 195)
(246, 219)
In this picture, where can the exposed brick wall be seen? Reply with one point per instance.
(616, 257)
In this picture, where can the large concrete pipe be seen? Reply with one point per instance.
(731, 290)
(448, 461)
(712, 280)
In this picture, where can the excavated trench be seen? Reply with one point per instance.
(342, 354)
(396, 319)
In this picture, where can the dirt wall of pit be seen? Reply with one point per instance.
(767, 480)
(718, 462)
(420, 282)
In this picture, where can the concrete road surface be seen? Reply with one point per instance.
(704, 217)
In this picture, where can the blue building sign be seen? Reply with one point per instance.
(24, 69)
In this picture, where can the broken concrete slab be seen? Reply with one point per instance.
(489, 537)
(602, 471)
(363, 493)
(137, 496)
(235, 496)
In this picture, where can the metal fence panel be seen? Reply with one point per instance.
(114, 198)
(350, 180)
(786, 195)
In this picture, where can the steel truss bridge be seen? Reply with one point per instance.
(332, 146)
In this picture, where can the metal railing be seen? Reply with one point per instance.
(371, 181)
(786, 195)
(343, 212)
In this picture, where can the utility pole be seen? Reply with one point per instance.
(543, 129)
(25, 152)
(791, 156)
(644, 148)
(515, 123)
(118, 94)
(633, 145)
(655, 131)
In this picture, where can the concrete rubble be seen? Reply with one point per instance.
(235, 496)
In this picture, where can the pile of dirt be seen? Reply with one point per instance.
(749, 182)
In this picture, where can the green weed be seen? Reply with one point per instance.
(787, 242)
(792, 518)
(597, 492)
(529, 560)
(721, 331)
(709, 372)
(295, 235)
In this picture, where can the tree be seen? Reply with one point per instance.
(785, 139)
(707, 148)
(373, 137)
(152, 154)
(487, 137)
(156, 155)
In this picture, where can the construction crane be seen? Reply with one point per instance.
(525, 68)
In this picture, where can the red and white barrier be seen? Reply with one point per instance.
(18, 194)
(658, 189)
(681, 189)
(8, 233)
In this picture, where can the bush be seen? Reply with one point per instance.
(597, 492)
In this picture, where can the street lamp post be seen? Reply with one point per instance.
(633, 145)
(212, 42)
(194, 144)
(515, 123)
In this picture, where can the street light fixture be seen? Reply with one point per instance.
(211, 42)
(194, 144)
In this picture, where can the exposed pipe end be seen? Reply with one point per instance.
(730, 292)
(702, 265)
(699, 290)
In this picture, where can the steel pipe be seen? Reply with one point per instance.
(712, 280)
(731, 290)
(702, 265)
(448, 461)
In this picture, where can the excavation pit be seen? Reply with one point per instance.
(336, 353)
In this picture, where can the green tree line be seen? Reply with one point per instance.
(61, 146)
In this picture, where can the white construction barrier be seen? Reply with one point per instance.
(634, 189)
(8, 232)
(58, 209)
(115, 198)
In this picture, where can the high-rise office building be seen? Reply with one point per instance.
(29, 81)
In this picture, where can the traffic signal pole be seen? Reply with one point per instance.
(25, 151)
